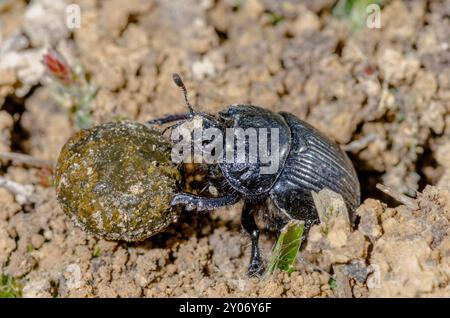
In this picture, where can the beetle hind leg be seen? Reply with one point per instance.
(256, 266)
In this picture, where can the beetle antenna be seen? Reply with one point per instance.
(179, 82)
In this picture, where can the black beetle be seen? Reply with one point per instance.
(309, 161)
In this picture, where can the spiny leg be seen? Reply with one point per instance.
(194, 202)
(248, 223)
(169, 119)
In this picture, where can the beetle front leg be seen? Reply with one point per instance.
(248, 223)
(195, 202)
(168, 119)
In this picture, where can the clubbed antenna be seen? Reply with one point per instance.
(179, 82)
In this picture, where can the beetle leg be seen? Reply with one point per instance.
(194, 202)
(168, 119)
(248, 223)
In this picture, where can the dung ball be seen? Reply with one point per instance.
(116, 181)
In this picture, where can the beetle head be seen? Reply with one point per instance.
(195, 128)
(194, 119)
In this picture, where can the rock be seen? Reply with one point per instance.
(7, 244)
(20, 264)
(45, 22)
(37, 288)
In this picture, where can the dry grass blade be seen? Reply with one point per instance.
(400, 197)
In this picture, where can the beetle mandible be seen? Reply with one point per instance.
(309, 161)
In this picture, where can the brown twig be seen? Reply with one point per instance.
(19, 158)
(400, 197)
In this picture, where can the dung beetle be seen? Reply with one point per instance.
(308, 161)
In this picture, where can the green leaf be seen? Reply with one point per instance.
(354, 11)
(10, 287)
(275, 18)
(332, 283)
(284, 255)
(97, 252)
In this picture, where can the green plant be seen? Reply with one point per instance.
(70, 88)
(332, 283)
(354, 11)
(284, 255)
(10, 287)
(275, 18)
(97, 252)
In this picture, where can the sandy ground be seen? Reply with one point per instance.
(385, 93)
